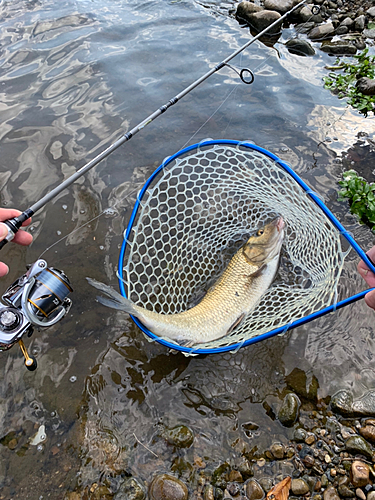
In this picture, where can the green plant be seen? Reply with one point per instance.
(344, 84)
(361, 195)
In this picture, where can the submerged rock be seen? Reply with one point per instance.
(180, 436)
(254, 491)
(131, 489)
(289, 410)
(331, 494)
(299, 487)
(368, 431)
(299, 47)
(343, 403)
(166, 487)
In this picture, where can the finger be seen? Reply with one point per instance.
(4, 269)
(10, 213)
(3, 231)
(22, 238)
(370, 299)
(366, 274)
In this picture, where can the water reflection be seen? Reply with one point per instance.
(74, 77)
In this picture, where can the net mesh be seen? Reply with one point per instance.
(197, 213)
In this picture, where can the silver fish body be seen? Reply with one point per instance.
(236, 293)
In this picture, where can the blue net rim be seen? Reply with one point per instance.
(277, 331)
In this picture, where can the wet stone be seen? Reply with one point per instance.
(330, 494)
(366, 86)
(254, 491)
(299, 487)
(266, 483)
(299, 435)
(322, 31)
(209, 493)
(277, 450)
(281, 6)
(245, 9)
(359, 474)
(180, 436)
(300, 47)
(233, 489)
(371, 495)
(360, 494)
(356, 444)
(131, 489)
(166, 487)
(235, 475)
(339, 48)
(289, 410)
(261, 20)
(368, 432)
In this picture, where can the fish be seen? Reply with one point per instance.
(236, 293)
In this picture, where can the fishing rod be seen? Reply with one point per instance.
(39, 297)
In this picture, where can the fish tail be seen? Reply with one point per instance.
(113, 299)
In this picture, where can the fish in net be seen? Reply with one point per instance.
(198, 208)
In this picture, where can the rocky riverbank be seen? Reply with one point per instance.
(330, 456)
(340, 27)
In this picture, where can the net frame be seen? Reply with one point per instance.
(145, 194)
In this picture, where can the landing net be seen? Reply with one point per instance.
(196, 211)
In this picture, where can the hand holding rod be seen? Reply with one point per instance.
(15, 223)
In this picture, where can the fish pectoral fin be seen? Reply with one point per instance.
(236, 323)
(258, 272)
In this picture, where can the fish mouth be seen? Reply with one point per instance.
(278, 237)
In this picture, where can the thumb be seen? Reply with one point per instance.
(3, 231)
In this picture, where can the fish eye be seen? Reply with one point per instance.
(260, 232)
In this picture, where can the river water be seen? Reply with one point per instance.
(75, 76)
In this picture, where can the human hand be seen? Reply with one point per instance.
(22, 238)
(369, 277)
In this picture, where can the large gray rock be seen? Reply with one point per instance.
(322, 31)
(281, 6)
(360, 23)
(371, 12)
(245, 9)
(338, 48)
(366, 86)
(261, 20)
(369, 33)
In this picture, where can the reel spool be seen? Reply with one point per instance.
(36, 299)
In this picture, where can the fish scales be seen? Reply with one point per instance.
(239, 289)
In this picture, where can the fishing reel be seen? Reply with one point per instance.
(36, 299)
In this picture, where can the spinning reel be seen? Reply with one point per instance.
(38, 298)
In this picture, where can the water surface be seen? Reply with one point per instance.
(74, 77)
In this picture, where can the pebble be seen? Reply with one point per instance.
(356, 444)
(359, 474)
(360, 494)
(310, 439)
(131, 489)
(277, 450)
(166, 487)
(299, 487)
(330, 494)
(254, 491)
(371, 495)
